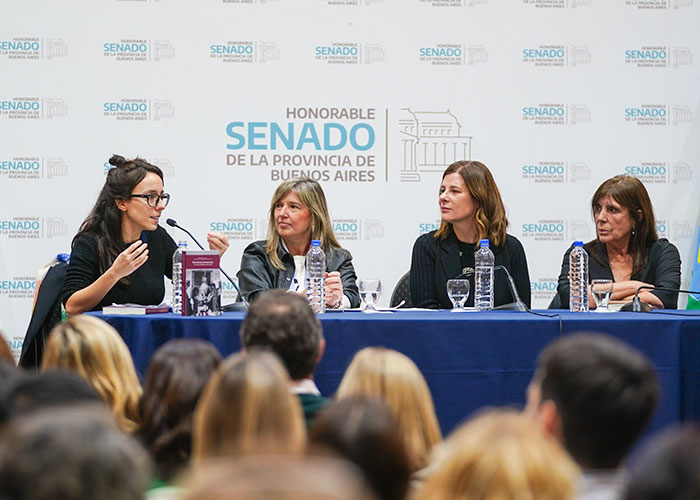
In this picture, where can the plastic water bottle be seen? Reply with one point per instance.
(578, 278)
(316, 277)
(483, 279)
(177, 277)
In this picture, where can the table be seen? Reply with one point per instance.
(470, 360)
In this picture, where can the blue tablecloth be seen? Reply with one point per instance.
(470, 360)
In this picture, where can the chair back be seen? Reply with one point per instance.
(402, 291)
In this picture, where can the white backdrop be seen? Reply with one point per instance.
(372, 97)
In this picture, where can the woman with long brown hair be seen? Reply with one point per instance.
(471, 210)
(627, 248)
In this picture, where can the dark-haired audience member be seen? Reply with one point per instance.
(597, 394)
(34, 392)
(246, 408)
(177, 374)
(94, 350)
(500, 454)
(668, 468)
(120, 253)
(364, 432)
(70, 454)
(285, 324)
(377, 372)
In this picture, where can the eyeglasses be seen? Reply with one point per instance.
(153, 199)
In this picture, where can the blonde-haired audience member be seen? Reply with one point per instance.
(247, 408)
(393, 378)
(94, 350)
(5, 353)
(500, 455)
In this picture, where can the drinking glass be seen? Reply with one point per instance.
(602, 290)
(370, 290)
(458, 291)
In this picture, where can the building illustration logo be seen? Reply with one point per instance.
(432, 140)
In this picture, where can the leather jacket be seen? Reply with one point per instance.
(258, 274)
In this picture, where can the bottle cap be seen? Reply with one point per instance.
(484, 243)
(315, 243)
(578, 243)
(182, 243)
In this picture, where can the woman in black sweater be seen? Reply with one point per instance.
(120, 253)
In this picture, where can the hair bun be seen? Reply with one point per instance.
(117, 160)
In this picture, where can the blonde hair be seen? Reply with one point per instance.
(490, 217)
(311, 196)
(247, 408)
(94, 350)
(501, 455)
(393, 378)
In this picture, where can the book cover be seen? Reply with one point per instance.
(201, 283)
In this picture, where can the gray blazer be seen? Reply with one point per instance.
(257, 274)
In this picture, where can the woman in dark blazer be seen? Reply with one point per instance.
(471, 209)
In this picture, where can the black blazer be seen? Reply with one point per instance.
(435, 261)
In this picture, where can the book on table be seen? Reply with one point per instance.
(135, 309)
(201, 283)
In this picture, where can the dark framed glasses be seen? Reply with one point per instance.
(154, 199)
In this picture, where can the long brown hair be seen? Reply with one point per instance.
(631, 194)
(490, 217)
(105, 219)
(311, 196)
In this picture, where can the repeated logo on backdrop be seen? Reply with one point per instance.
(557, 4)
(32, 228)
(658, 114)
(349, 53)
(246, 51)
(556, 114)
(660, 172)
(659, 4)
(659, 57)
(33, 108)
(32, 48)
(551, 56)
(138, 50)
(556, 172)
(556, 230)
(138, 109)
(453, 3)
(32, 167)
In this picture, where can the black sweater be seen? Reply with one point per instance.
(146, 283)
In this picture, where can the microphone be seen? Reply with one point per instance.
(467, 271)
(517, 304)
(236, 306)
(638, 306)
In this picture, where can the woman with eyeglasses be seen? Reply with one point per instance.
(120, 253)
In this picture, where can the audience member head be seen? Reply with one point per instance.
(247, 408)
(285, 324)
(276, 477)
(70, 454)
(34, 392)
(5, 352)
(94, 350)
(392, 377)
(668, 468)
(595, 393)
(177, 374)
(364, 432)
(501, 454)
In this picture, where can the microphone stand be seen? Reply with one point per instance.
(235, 306)
(638, 306)
(517, 304)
